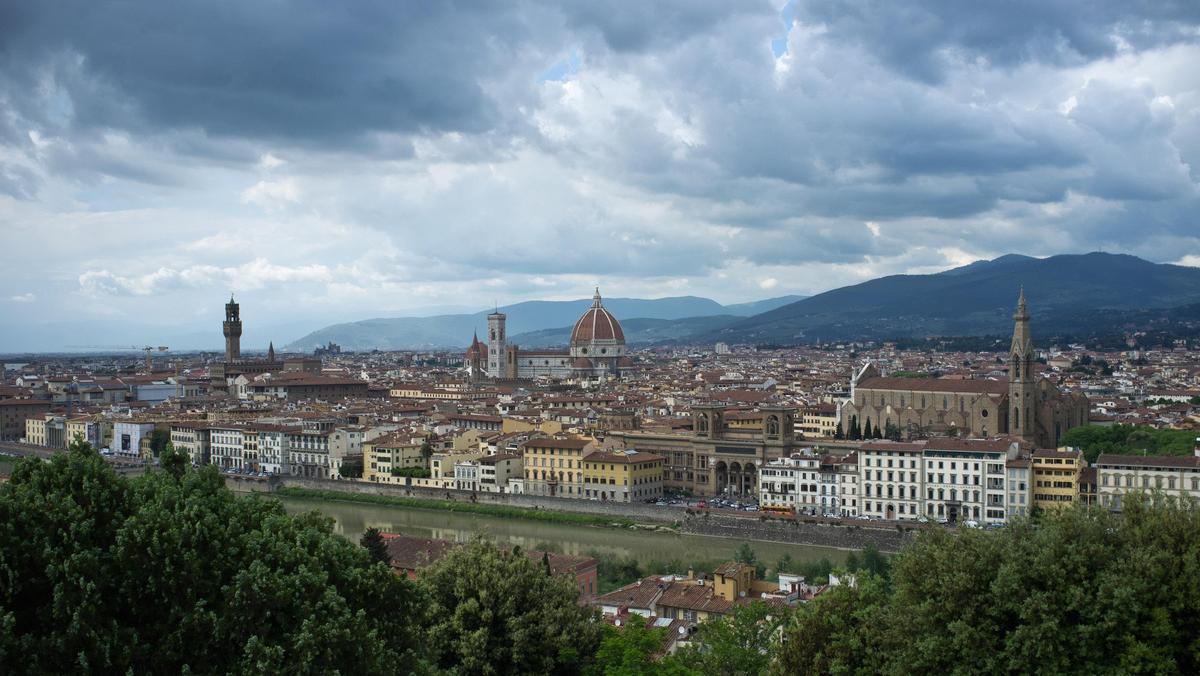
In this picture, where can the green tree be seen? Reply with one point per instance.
(173, 462)
(834, 633)
(736, 644)
(632, 650)
(837, 433)
(426, 451)
(496, 612)
(372, 540)
(1079, 591)
(159, 439)
(170, 574)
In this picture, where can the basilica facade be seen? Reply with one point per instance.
(1026, 406)
(596, 349)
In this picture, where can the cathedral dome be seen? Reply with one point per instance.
(597, 324)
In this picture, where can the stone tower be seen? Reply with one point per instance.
(496, 344)
(1022, 381)
(233, 331)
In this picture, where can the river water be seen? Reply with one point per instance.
(351, 519)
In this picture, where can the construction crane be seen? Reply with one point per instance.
(148, 349)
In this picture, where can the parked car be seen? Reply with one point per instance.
(702, 504)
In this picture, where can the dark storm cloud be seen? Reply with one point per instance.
(921, 37)
(310, 71)
(640, 26)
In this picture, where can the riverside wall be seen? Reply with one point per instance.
(839, 533)
(635, 511)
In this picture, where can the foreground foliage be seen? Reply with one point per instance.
(1079, 592)
(170, 573)
(498, 612)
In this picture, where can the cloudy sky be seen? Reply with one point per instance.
(330, 161)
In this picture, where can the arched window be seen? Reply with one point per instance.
(1016, 367)
(1016, 417)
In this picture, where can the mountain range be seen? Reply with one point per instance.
(1070, 294)
(1067, 294)
(530, 318)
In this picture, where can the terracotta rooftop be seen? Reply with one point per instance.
(935, 385)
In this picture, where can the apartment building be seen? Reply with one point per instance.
(622, 475)
(965, 479)
(308, 453)
(192, 438)
(1119, 475)
(272, 457)
(554, 466)
(891, 479)
(391, 452)
(1019, 486)
(1056, 477)
(496, 471)
(839, 485)
(792, 483)
(227, 446)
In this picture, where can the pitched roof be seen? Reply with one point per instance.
(935, 385)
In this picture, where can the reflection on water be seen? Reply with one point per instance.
(351, 519)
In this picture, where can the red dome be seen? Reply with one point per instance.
(597, 324)
(582, 363)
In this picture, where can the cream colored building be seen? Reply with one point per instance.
(791, 483)
(622, 475)
(382, 455)
(1119, 475)
(555, 466)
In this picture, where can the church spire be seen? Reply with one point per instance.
(271, 352)
(1022, 341)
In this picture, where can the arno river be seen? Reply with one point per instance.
(351, 519)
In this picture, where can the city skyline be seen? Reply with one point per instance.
(423, 162)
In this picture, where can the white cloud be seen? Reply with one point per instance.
(252, 275)
(23, 298)
(768, 283)
(272, 194)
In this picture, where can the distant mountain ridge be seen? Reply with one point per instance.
(455, 330)
(976, 299)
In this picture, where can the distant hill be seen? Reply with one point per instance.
(1065, 293)
(455, 330)
(638, 331)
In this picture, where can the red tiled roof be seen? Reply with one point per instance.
(935, 385)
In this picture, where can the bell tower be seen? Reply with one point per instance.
(1022, 383)
(232, 327)
(496, 342)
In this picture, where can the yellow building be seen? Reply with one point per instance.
(555, 466)
(35, 431)
(819, 420)
(1056, 478)
(622, 475)
(389, 452)
(87, 429)
(513, 425)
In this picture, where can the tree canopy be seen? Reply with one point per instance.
(1077, 592)
(171, 573)
(1129, 440)
(493, 611)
